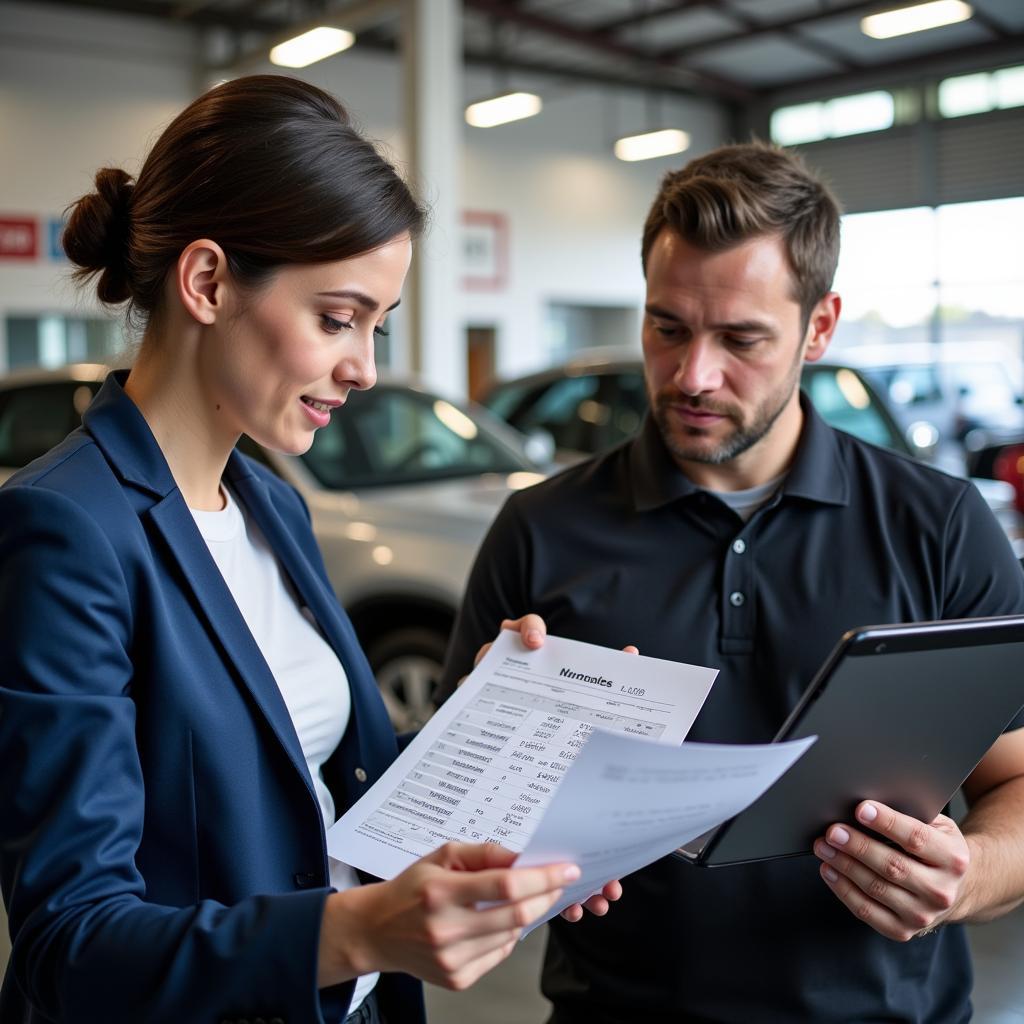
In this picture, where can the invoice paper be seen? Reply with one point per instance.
(625, 804)
(488, 763)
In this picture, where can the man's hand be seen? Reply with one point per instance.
(901, 891)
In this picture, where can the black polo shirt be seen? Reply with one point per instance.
(625, 549)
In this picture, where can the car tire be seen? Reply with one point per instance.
(407, 664)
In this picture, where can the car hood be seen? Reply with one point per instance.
(442, 506)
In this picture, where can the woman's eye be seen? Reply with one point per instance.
(380, 332)
(332, 325)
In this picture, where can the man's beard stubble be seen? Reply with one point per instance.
(744, 435)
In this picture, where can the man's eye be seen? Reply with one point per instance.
(332, 325)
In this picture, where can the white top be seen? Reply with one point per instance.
(308, 673)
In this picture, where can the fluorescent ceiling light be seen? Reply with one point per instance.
(918, 18)
(311, 46)
(513, 106)
(652, 144)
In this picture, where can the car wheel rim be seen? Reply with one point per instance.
(407, 685)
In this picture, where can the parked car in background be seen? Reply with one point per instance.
(401, 486)
(598, 398)
(958, 387)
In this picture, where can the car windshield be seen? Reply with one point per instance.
(396, 435)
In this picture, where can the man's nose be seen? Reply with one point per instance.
(700, 368)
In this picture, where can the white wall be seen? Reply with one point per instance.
(78, 91)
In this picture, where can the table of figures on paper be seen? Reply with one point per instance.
(489, 775)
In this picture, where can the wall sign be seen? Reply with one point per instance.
(19, 238)
(484, 251)
(55, 229)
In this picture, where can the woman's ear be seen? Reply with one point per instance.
(202, 280)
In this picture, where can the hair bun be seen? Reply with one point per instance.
(97, 234)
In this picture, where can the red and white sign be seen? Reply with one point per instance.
(19, 238)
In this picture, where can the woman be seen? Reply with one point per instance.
(184, 708)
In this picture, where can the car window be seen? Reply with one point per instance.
(34, 418)
(569, 409)
(910, 385)
(395, 435)
(505, 400)
(846, 402)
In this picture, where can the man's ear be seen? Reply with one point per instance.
(821, 326)
(202, 280)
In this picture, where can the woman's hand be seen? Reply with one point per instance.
(425, 921)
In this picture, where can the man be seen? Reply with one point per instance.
(740, 531)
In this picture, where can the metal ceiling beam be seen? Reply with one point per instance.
(379, 42)
(961, 59)
(768, 28)
(164, 11)
(642, 17)
(716, 85)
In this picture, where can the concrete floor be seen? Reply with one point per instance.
(509, 994)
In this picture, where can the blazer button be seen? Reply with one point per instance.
(305, 879)
(360, 774)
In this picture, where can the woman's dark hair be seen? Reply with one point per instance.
(268, 167)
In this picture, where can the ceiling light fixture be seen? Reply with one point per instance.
(311, 46)
(919, 18)
(649, 145)
(512, 106)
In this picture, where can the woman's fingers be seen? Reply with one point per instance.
(513, 885)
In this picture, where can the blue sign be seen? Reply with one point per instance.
(55, 229)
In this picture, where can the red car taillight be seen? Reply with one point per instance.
(1009, 466)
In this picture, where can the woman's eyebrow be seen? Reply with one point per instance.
(364, 300)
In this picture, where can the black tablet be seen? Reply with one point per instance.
(902, 713)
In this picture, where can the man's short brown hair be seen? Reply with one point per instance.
(740, 192)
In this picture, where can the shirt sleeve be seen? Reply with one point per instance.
(87, 946)
(982, 575)
(498, 588)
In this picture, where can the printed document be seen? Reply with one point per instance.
(488, 763)
(625, 804)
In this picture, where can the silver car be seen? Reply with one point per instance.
(401, 486)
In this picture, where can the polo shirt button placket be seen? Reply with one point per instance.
(739, 545)
(737, 599)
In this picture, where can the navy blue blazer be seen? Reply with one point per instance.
(161, 846)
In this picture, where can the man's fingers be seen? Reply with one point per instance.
(531, 628)
(923, 841)
(612, 890)
(873, 914)
(900, 896)
(630, 649)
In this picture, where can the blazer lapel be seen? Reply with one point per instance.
(173, 521)
(121, 431)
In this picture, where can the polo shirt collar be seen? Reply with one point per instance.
(817, 473)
